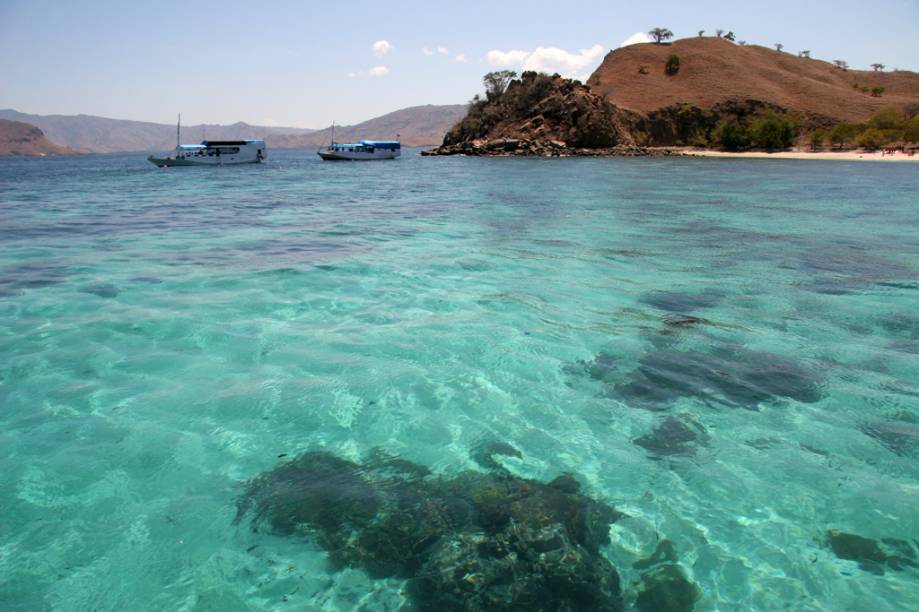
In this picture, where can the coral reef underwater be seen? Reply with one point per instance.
(472, 541)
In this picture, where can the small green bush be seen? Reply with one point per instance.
(643, 69)
(817, 138)
(843, 133)
(774, 131)
(731, 135)
(911, 131)
(877, 91)
(673, 64)
(885, 119)
(872, 138)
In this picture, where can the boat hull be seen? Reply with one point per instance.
(169, 162)
(356, 156)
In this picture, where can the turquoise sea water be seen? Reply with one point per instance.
(166, 335)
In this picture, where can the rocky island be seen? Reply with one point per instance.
(704, 93)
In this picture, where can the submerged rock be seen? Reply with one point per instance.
(682, 302)
(103, 290)
(665, 552)
(474, 541)
(733, 377)
(667, 589)
(871, 555)
(674, 436)
(900, 434)
(484, 454)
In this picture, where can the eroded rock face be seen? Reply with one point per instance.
(544, 115)
(474, 541)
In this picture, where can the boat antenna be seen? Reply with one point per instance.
(332, 140)
(178, 130)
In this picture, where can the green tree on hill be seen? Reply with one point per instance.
(701, 33)
(779, 47)
(660, 35)
(841, 64)
(673, 64)
(877, 67)
(885, 119)
(496, 83)
(805, 54)
(729, 36)
(731, 135)
(877, 91)
(719, 32)
(817, 137)
(842, 134)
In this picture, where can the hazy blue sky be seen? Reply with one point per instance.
(305, 63)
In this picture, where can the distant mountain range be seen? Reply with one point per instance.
(419, 125)
(17, 138)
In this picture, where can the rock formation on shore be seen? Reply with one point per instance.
(539, 114)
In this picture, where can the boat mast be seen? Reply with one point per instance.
(178, 130)
(332, 139)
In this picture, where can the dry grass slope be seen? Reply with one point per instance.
(714, 70)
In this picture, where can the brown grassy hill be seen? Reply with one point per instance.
(714, 71)
(17, 138)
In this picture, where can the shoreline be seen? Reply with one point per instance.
(879, 156)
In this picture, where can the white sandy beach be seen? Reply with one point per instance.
(898, 156)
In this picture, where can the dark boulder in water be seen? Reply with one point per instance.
(484, 453)
(674, 436)
(104, 290)
(678, 301)
(666, 589)
(900, 434)
(602, 367)
(474, 541)
(735, 377)
(665, 552)
(872, 555)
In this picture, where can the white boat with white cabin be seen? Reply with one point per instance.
(213, 152)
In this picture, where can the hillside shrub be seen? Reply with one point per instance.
(774, 131)
(842, 134)
(872, 138)
(643, 69)
(877, 91)
(817, 138)
(911, 131)
(673, 64)
(885, 119)
(731, 135)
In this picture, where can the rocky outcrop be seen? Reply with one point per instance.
(544, 115)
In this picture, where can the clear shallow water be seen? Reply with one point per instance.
(167, 335)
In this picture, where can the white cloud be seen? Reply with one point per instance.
(381, 48)
(443, 50)
(378, 71)
(427, 51)
(509, 58)
(351, 75)
(636, 38)
(461, 57)
(548, 59)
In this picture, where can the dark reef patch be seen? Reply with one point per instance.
(733, 376)
(602, 367)
(666, 589)
(678, 301)
(103, 290)
(674, 436)
(872, 555)
(900, 434)
(475, 541)
(485, 452)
